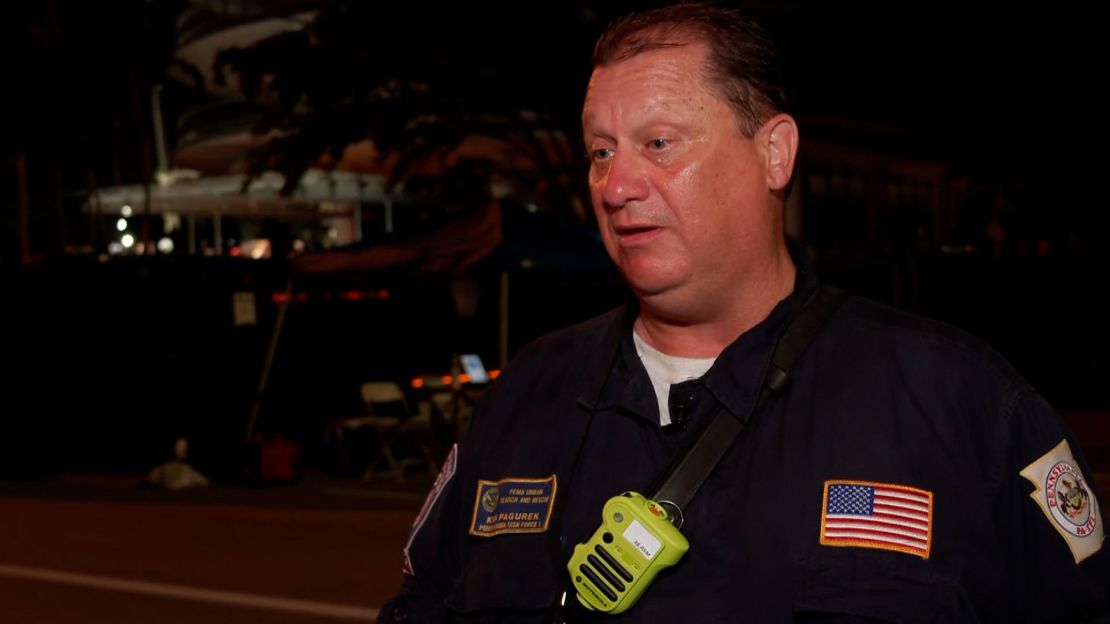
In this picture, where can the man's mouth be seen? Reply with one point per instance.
(631, 235)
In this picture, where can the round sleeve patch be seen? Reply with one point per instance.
(1062, 493)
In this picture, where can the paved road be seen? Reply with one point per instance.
(123, 558)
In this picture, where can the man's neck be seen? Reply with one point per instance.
(709, 334)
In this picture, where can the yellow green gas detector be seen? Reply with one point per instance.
(635, 541)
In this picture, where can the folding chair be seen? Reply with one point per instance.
(404, 437)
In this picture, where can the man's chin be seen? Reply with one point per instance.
(649, 288)
(651, 280)
(659, 295)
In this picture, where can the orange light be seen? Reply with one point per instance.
(494, 373)
(362, 295)
(464, 378)
(417, 382)
(447, 379)
(281, 297)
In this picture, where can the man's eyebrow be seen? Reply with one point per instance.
(590, 128)
(604, 136)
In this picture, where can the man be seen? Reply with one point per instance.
(906, 473)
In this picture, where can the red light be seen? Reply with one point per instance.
(417, 382)
(235, 252)
(383, 294)
(281, 297)
(360, 295)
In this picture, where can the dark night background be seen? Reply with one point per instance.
(930, 129)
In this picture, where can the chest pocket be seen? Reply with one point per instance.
(507, 572)
(850, 587)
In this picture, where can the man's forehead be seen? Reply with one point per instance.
(658, 79)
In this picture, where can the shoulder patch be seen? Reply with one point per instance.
(1069, 503)
(512, 505)
(445, 475)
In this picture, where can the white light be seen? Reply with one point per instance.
(165, 245)
(170, 222)
(127, 240)
(126, 211)
(121, 225)
(115, 248)
(256, 248)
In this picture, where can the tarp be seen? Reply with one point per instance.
(528, 241)
(447, 250)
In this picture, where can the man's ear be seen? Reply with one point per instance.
(779, 139)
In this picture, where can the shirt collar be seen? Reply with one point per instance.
(735, 379)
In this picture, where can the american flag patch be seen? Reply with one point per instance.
(877, 515)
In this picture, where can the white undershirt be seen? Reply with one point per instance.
(665, 370)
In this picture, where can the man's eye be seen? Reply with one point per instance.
(602, 154)
(658, 144)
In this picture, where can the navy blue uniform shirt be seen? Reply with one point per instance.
(906, 474)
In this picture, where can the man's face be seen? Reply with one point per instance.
(681, 196)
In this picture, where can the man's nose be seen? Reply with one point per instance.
(625, 181)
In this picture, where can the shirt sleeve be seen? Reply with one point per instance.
(430, 555)
(1050, 520)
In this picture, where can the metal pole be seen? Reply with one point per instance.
(191, 234)
(159, 131)
(271, 351)
(218, 233)
(147, 249)
(356, 220)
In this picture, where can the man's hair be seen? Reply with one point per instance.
(742, 64)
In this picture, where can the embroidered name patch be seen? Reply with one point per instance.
(513, 506)
(1064, 496)
(883, 516)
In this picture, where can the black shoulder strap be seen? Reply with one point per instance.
(689, 469)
